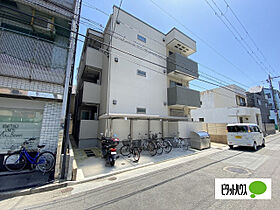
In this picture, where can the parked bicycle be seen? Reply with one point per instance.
(180, 143)
(129, 148)
(148, 145)
(163, 144)
(17, 161)
(158, 143)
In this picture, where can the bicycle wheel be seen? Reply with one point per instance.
(15, 162)
(125, 150)
(45, 161)
(151, 147)
(159, 148)
(167, 146)
(136, 154)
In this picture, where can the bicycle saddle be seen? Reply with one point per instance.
(41, 146)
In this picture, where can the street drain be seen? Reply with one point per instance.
(112, 178)
(237, 170)
(68, 189)
(89, 152)
(123, 164)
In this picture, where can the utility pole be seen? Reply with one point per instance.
(274, 100)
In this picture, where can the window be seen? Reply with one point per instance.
(201, 119)
(141, 38)
(240, 101)
(174, 84)
(237, 128)
(89, 113)
(200, 103)
(259, 102)
(141, 110)
(141, 73)
(268, 95)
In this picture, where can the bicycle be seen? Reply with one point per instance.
(129, 149)
(157, 142)
(17, 161)
(180, 143)
(166, 144)
(148, 145)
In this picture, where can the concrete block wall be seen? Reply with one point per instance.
(51, 125)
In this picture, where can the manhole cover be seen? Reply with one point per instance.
(123, 164)
(112, 178)
(237, 170)
(68, 189)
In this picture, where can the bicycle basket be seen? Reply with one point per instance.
(126, 142)
(136, 143)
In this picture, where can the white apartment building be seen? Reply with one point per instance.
(221, 105)
(35, 62)
(135, 85)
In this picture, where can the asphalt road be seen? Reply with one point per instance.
(189, 185)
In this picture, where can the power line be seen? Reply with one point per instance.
(250, 37)
(198, 37)
(131, 54)
(234, 31)
(100, 25)
(165, 57)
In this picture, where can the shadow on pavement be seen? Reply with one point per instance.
(28, 179)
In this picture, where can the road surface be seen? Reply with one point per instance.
(187, 185)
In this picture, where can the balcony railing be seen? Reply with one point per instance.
(28, 57)
(183, 96)
(177, 63)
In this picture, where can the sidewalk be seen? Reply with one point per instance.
(93, 168)
(25, 179)
(95, 165)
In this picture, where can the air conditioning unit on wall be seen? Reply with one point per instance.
(42, 24)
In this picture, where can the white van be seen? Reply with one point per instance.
(242, 134)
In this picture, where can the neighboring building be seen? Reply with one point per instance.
(119, 86)
(221, 105)
(273, 107)
(256, 98)
(34, 61)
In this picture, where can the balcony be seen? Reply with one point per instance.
(91, 93)
(93, 58)
(182, 67)
(183, 96)
(27, 57)
(178, 42)
(62, 7)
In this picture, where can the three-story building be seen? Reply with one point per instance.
(131, 78)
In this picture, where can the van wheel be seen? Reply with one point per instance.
(255, 147)
(230, 146)
(263, 143)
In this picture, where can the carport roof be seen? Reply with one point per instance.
(141, 117)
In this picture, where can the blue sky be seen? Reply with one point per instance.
(261, 19)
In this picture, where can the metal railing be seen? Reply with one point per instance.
(25, 56)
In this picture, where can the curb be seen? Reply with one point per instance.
(58, 185)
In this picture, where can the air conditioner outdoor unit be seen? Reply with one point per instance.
(42, 24)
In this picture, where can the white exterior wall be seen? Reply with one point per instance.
(183, 129)
(129, 89)
(226, 115)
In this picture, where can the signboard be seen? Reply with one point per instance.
(17, 126)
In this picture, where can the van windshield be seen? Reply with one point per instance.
(238, 128)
